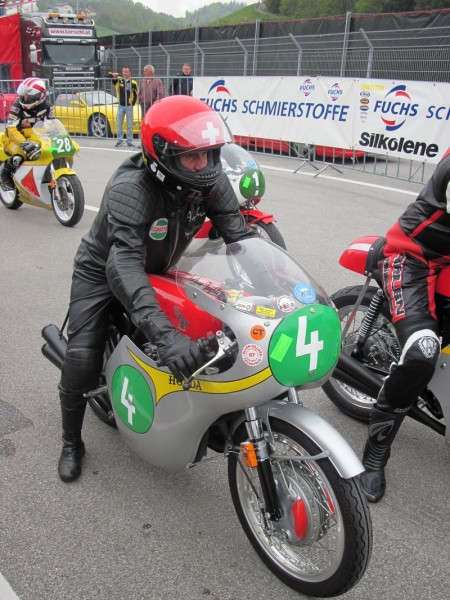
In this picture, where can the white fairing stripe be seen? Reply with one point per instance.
(362, 247)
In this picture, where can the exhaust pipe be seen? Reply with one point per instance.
(352, 373)
(55, 348)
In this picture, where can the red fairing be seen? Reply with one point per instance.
(184, 315)
(354, 257)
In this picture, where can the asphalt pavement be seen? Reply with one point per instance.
(126, 530)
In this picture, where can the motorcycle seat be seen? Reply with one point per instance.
(373, 258)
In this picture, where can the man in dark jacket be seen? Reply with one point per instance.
(127, 94)
(183, 82)
(153, 206)
(417, 247)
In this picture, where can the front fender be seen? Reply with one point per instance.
(64, 171)
(319, 431)
(254, 215)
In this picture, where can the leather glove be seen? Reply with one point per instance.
(31, 149)
(180, 354)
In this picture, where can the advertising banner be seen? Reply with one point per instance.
(395, 118)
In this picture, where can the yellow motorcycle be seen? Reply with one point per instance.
(48, 181)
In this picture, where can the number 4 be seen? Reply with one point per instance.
(313, 348)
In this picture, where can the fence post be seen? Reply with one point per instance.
(348, 20)
(300, 52)
(149, 48)
(168, 60)
(202, 53)
(245, 51)
(370, 58)
(256, 47)
(139, 59)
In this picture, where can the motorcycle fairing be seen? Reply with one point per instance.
(26, 178)
(440, 385)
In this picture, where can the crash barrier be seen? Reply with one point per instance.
(93, 114)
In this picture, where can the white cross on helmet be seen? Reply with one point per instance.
(211, 133)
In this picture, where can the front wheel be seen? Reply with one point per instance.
(69, 207)
(322, 543)
(380, 350)
(268, 231)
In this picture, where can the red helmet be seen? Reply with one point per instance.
(179, 124)
(31, 92)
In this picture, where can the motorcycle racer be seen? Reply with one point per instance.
(417, 247)
(31, 106)
(152, 207)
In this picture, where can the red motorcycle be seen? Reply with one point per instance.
(370, 345)
(249, 185)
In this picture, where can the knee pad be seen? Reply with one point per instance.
(408, 378)
(81, 371)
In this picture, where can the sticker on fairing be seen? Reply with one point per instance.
(132, 399)
(305, 293)
(305, 345)
(257, 332)
(285, 304)
(263, 311)
(252, 355)
(158, 229)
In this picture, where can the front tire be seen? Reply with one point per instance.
(381, 349)
(268, 231)
(322, 544)
(70, 207)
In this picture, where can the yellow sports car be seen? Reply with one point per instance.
(92, 113)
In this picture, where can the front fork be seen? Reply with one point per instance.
(256, 454)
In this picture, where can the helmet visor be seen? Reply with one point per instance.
(203, 131)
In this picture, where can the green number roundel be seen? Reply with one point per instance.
(305, 346)
(252, 184)
(132, 399)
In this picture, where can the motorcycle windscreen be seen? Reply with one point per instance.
(256, 277)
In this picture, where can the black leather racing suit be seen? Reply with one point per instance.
(140, 228)
(418, 246)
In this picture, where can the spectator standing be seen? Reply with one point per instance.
(151, 89)
(127, 95)
(183, 82)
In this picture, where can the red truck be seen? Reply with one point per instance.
(60, 48)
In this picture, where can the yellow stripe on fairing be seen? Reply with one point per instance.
(164, 382)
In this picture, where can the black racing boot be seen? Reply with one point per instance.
(6, 175)
(69, 466)
(383, 427)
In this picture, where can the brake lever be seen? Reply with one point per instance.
(225, 347)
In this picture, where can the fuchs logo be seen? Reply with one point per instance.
(219, 86)
(395, 107)
(158, 230)
(219, 98)
(307, 87)
(335, 91)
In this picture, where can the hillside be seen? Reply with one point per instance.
(248, 14)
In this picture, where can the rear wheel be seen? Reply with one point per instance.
(9, 198)
(69, 207)
(322, 543)
(381, 349)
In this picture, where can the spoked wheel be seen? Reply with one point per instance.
(381, 349)
(322, 543)
(69, 207)
(269, 231)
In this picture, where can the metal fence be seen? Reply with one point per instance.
(420, 54)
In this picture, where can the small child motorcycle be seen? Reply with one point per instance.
(50, 181)
(270, 331)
